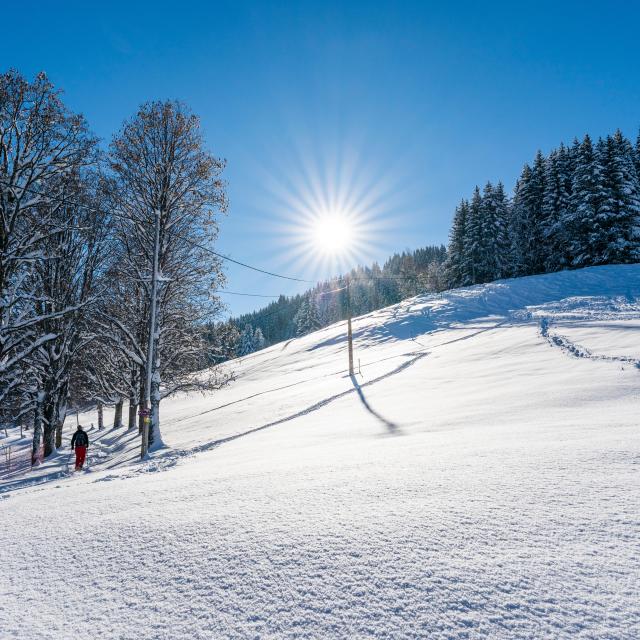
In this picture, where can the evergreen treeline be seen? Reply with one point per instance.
(577, 207)
(402, 276)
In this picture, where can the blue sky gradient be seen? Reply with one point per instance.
(400, 106)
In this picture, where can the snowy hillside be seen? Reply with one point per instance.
(478, 478)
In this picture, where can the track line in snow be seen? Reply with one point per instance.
(578, 351)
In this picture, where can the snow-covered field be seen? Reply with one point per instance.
(479, 478)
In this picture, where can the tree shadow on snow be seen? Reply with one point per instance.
(170, 458)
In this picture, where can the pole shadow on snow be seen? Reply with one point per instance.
(392, 427)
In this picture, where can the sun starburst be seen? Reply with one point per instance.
(328, 212)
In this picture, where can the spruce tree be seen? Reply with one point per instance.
(313, 316)
(473, 240)
(258, 340)
(457, 247)
(580, 220)
(307, 319)
(521, 223)
(487, 266)
(502, 233)
(613, 238)
(555, 207)
(246, 345)
(537, 249)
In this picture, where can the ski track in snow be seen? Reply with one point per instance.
(482, 485)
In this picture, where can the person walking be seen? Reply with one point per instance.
(80, 442)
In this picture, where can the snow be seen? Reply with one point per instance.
(478, 479)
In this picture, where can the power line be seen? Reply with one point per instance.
(221, 255)
(324, 293)
(243, 264)
(195, 244)
(251, 295)
(262, 295)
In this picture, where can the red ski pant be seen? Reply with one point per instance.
(81, 453)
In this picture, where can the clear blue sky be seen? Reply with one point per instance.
(404, 106)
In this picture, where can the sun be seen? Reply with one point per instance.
(331, 207)
(332, 233)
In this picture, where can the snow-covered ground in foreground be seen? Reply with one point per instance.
(479, 478)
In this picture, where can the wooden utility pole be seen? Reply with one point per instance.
(349, 331)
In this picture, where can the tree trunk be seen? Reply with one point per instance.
(37, 432)
(155, 439)
(143, 404)
(60, 414)
(100, 416)
(117, 417)
(132, 400)
(59, 424)
(48, 415)
(132, 411)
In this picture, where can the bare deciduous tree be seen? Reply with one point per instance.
(161, 172)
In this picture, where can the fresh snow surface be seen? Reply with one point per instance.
(479, 478)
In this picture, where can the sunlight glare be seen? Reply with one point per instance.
(332, 233)
(332, 208)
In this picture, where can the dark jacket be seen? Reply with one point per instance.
(80, 439)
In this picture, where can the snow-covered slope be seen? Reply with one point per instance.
(478, 478)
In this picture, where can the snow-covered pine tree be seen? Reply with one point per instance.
(494, 237)
(473, 240)
(502, 232)
(556, 205)
(246, 344)
(537, 250)
(636, 155)
(313, 316)
(454, 266)
(259, 341)
(307, 318)
(225, 337)
(300, 319)
(486, 267)
(586, 195)
(614, 238)
(518, 222)
(527, 219)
